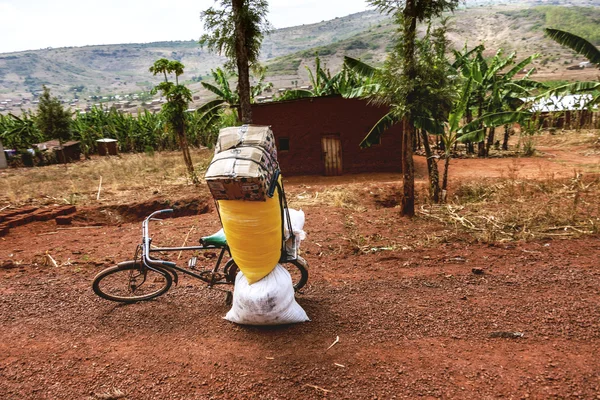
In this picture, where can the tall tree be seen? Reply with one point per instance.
(178, 97)
(436, 86)
(406, 99)
(236, 30)
(52, 119)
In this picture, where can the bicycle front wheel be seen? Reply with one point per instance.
(130, 281)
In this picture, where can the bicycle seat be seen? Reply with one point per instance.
(216, 239)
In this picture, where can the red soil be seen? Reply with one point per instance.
(431, 319)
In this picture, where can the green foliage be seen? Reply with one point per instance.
(287, 65)
(580, 21)
(576, 43)
(431, 90)
(19, 133)
(52, 119)
(219, 23)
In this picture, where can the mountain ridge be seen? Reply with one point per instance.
(105, 70)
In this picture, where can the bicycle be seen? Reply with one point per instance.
(145, 278)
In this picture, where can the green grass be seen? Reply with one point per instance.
(581, 21)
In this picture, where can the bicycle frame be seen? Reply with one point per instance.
(162, 266)
(171, 267)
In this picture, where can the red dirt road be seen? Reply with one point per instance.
(431, 319)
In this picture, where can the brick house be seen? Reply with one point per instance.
(321, 136)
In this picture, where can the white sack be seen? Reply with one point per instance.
(269, 301)
(297, 219)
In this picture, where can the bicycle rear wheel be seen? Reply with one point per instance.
(130, 281)
(297, 269)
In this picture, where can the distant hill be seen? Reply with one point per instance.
(109, 70)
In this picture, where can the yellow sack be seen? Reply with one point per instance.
(253, 232)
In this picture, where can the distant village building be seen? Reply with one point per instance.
(107, 147)
(69, 151)
(565, 112)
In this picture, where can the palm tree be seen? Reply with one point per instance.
(237, 30)
(404, 94)
(178, 97)
(434, 90)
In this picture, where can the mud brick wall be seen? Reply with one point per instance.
(306, 121)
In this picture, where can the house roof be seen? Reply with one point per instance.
(571, 102)
(54, 144)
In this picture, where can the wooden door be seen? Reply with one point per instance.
(332, 154)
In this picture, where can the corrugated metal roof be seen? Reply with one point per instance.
(571, 102)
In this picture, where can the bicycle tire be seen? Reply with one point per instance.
(123, 292)
(231, 269)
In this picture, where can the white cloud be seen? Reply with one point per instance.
(35, 24)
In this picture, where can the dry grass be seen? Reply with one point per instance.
(570, 138)
(123, 178)
(340, 197)
(514, 209)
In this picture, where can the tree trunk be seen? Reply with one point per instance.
(490, 140)
(470, 148)
(241, 51)
(432, 169)
(506, 136)
(445, 178)
(416, 142)
(410, 72)
(408, 171)
(481, 149)
(481, 145)
(187, 158)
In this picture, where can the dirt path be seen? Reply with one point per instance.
(432, 319)
(412, 323)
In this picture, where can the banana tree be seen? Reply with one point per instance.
(450, 134)
(492, 90)
(19, 133)
(207, 117)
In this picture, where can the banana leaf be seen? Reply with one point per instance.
(574, 42)
(377, 130)
(515, 70)
(360, 67)
(430, 125)
(572, 88)
(363, 91)
(472, 131)
(213, 89)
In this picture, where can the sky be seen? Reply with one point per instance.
(37, 24)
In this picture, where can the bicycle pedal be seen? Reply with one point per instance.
(192, 262)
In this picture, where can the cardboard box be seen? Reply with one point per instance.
(247, 135)
(242, 173)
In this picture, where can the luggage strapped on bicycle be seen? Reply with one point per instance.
(276, 184)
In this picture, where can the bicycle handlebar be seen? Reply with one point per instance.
(146, 239)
